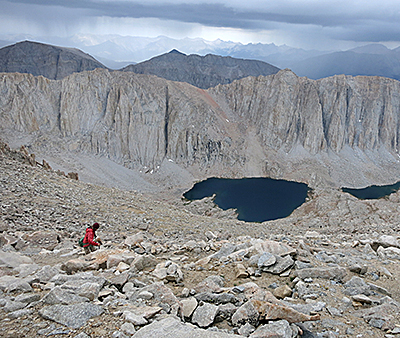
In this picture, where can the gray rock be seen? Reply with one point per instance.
(188, 306)
(135, 319)
(225, 312)
(356, 285)
(379, 289)
(128, 328)
(20, 313)
(281, 265)
(74, 316)
(89, 290)
(246, 313)
(388, 253)
(302, 265)
(266, 259)
(310, 307)
(205, 314)
(226, 250)
(210, 284)
(26, 269)
(173, 328)
(13, 306)
(145, 295)
(46, 273)
(246, 330)
(74, 282)
(362, 299)
(13, 259)
(357, 268)
(278, 329)
(28, 297)
(62, 296)
(324, 257)
(11, 283)
(142, 262)
(82, 335)
(217, 298)
(336, 273)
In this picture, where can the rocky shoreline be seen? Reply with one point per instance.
(328, 270)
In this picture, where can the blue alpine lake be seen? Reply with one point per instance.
(373, 191)
(256, 199)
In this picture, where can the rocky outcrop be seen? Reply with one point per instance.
(335, 131)
(49, 61)
(201, 71)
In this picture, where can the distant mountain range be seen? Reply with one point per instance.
(117, 52)
(201, 71)
(372, 60)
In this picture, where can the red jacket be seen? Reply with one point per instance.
(89, 236)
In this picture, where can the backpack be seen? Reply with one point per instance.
(81, 241)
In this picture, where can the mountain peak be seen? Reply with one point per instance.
(175, 51)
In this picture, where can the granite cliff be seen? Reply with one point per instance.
(332, 132)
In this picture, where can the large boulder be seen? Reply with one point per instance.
(173, 328)
(74, 316)
(12, 259)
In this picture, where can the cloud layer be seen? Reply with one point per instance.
(308, 23)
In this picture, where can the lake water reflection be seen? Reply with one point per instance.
(373, 191)
(256, 199)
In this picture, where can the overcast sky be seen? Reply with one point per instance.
(319, 24)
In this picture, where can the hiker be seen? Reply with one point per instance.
(89, 241)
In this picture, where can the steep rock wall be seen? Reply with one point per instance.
(326, 114)
(279, 125)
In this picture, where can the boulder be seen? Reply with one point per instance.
(205, 314)
(273, 247)
(266, 259)
(173, 328)
(210, 284)
(188, 306)
(42, 239)
(74, 316)
(13, 259)
(75, 265)
(336, 273)
(61, 296)
(278, 329)
(246, 313)
(144, 261)
(11, 283)
(282, 292)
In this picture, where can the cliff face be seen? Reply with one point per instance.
(46, 60)
(330, 113)
(334, 131)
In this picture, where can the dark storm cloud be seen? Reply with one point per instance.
(220, 14)
(338, 20)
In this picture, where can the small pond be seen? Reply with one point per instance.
(373, 191)
(256, 199)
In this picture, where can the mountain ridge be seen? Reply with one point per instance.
(40, 59)
(201, 71)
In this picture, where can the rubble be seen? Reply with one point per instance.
(175, 279)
